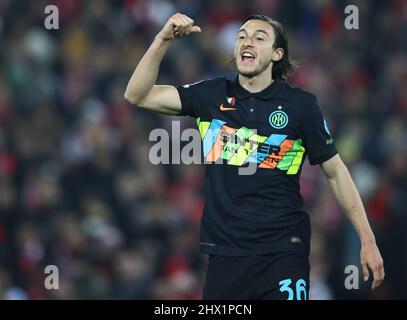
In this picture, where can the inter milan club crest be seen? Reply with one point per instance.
(278, 119)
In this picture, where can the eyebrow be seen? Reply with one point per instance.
(258, 30)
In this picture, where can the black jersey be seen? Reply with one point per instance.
(273, 130)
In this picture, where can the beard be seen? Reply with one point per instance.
(249, 74)
(263, 65)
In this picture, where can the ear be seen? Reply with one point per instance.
(278, 54)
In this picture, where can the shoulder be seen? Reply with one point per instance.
(300, 96)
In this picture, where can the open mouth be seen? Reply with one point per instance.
(247, 56)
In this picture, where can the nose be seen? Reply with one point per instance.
(248, 42)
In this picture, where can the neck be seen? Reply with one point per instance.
(256, 83)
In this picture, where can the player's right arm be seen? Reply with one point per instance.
(141, 89)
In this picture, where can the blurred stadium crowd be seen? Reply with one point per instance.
(77, 189)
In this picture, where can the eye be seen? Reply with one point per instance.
(259, 39)
(241, 37)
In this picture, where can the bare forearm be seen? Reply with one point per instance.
(141, 89)
(145, 75)
(349, 200)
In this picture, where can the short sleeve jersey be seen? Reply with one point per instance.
(254, 146)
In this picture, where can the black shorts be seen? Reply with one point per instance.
(280, 276)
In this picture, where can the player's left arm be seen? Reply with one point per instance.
(344, 189)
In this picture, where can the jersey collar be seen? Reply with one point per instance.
(265, 94)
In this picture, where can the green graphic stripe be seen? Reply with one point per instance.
(292, 159)
(203, 126)
(244, 152)
(295, 166)
(230, 147)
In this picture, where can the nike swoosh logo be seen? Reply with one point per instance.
(222, 108)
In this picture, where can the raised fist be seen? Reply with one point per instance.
(178, 26)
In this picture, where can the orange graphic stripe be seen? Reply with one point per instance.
(272, 160)
(217, 148)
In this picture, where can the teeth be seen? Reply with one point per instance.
(247, 55)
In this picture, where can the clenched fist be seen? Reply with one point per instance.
(178, 26)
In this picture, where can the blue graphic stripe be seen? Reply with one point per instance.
(210, 136)
(274, 140)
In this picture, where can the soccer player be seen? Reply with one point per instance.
(253, 228)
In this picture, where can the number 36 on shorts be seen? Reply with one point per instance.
(297, 290)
